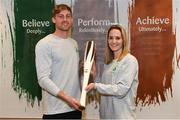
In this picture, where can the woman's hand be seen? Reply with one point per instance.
(90, 87)
(93, 70)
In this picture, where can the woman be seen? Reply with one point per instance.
(119, 81)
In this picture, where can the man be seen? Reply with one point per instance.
(57, 64)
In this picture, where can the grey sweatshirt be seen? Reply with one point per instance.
(118, 88)
(57, 62)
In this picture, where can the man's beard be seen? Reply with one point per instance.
(62, 28)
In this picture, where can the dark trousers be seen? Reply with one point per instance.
(69, 115)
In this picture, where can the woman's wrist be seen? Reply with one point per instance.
(95, 87)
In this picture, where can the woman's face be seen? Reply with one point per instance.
(115, 41)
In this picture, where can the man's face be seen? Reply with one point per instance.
(63, 20)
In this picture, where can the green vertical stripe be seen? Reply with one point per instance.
(32, 18)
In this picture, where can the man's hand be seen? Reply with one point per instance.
(72, 102)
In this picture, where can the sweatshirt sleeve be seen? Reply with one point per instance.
(124, 77)
(43, 68)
